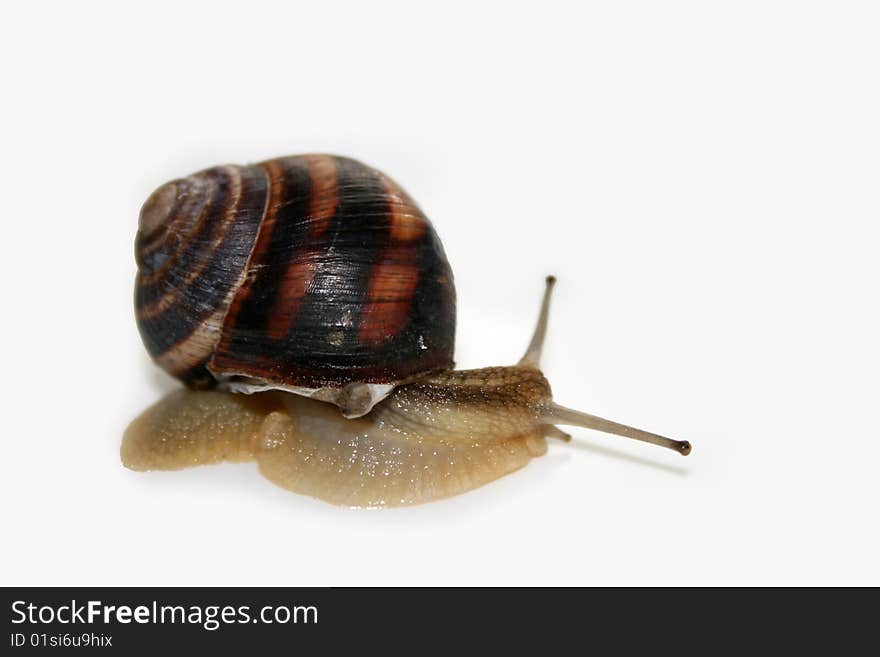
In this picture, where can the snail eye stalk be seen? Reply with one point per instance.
(532, 357)
(555, 414)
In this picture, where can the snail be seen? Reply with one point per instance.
(308, 307)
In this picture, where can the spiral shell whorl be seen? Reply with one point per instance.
(303, 271)
(191, 262)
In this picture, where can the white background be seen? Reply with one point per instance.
(702, 178)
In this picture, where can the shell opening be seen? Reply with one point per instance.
(354, 400)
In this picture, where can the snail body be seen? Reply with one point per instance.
(416, 446)
(335, 290)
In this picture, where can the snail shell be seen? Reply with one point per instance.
(314, 274)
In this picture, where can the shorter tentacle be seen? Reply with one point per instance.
(551, 431)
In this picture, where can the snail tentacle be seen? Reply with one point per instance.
(532, 357)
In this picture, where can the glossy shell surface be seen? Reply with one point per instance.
(308, 271)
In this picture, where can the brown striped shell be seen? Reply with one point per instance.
(313, 273)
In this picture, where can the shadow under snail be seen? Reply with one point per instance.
(316, 285)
